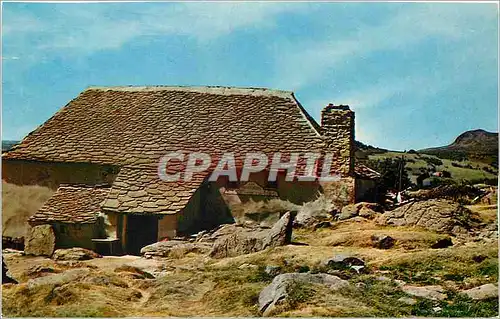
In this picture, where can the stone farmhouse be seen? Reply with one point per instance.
(101, 151)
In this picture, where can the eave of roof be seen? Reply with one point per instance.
(141, 191)
(75, 204)
(364, 172)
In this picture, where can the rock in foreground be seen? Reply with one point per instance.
(442, 216)
(75, 253)
(482, 292)
(166, 248)
(245, 241)
(41, 241)
(429, 292)
(278, 291)
(363, 209)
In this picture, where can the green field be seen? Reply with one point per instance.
(416, 162)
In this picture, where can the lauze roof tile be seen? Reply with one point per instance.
(138, 125)
(140, 191)
(72, 204)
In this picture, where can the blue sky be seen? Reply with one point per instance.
(416, 74)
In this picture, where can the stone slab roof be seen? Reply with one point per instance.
(71, 204)
(364, 172)
(137, 125)
(140, 191)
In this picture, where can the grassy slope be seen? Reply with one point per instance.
(197, 285)
(457, 173)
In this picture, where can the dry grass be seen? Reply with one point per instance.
(485, 213)
(18, 204)
(103, 295)
(351, 233)
(195, 285)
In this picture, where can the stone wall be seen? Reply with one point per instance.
(77, 235)
(52, 174)
(206, 210)
(337, 128)
(167, 226)
(188, 219)
(341, 192)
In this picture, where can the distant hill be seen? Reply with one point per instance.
(363, 150)
(7, 145)
(478, 145)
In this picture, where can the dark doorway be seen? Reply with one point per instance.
(142, 230)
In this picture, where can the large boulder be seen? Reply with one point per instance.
(278, 291)
(439, 215)
(248, 240)
(216, 233)
(363, 209)
(75, 253)
(179, 247)
(41, 241)
(320, 210)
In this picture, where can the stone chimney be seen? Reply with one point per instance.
(337, 128)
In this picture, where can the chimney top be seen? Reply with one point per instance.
(341, 107)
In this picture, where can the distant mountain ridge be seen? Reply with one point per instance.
(477, 139)
(477, 144)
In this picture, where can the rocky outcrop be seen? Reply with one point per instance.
(429, 292)
(60, 279)
(216, 233)
(135, 272)
(343, 262)
(41, 241)
(176, 247)
(75, 253)
(6, 279)
(482, 292)
(244, 241)
(272, 271)
(382, 241)
(278, 291)
(442, 243)
(442, 216)
(408, 301)
(363, 209)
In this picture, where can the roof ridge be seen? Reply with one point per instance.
(218, 90)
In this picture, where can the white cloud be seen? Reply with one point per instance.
(297, 68)
(85, 29)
